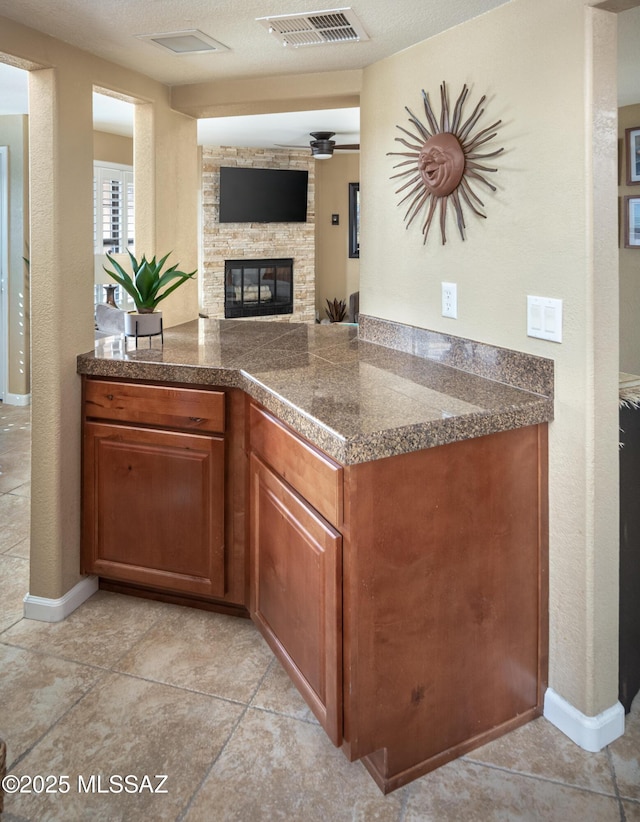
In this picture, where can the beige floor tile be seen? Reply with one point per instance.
(69, 717)
(540, 749)
(99, 632)
(14, 436)
(15, 469)
(23, 490)
(15, 432)
(20, 549)
(19, 442)
(35, 691)
(466, 791)
(277, 693)
(14, 584)
(14, 414)
(631, 811)
(126, 726)
(278, 768)
(625, 755)
(15, 513)
(211, 653)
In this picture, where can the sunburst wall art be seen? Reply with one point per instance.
(442, 162)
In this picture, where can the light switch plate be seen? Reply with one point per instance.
(544, 318)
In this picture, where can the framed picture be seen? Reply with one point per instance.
(632, 222)
(620, 159)
(632, 145)
(354, 219)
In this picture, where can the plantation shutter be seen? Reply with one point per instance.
(113, 223)
(114, 216)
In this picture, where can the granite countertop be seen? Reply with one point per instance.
(355, 399)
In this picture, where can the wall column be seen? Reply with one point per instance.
(61, 160)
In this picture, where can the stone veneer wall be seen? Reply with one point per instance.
(235, 241)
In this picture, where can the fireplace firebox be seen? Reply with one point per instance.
(258, 288)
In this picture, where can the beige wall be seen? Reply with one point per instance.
(628, 117)
(337, 276)
(61, 157)
(166, 174)
(112, 148)
(14, 135)
(260, 95)
(548, 70)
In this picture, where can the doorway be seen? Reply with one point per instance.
(4, 271)
(14, 236)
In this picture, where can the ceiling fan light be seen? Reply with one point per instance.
(322, 146)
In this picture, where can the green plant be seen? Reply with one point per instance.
(147, 280)
(336, 310)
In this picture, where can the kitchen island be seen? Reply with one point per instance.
(374, 498)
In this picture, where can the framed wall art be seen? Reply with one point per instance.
(632, 150)
(632, 221)
(354, 219)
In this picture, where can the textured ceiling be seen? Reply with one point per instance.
(108, 28)
(391, 24)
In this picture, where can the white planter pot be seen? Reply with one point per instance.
(143, 325)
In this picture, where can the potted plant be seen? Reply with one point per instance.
(147, 285)
(336, 311)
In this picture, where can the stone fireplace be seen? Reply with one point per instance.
(248, 243)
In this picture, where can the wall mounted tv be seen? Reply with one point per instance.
(263, 195)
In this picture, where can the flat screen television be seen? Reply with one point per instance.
(263, 195)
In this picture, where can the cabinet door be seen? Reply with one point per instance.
(296, 592)
(153, 507)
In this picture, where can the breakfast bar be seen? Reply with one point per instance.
(374, 497)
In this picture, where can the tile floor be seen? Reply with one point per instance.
(131, 687)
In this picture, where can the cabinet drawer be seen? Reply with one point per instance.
(316, 477)
(156, 405)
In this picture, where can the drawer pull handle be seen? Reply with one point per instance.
(109, 396)
(196, 419)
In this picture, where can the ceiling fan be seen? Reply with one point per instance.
(322, 146)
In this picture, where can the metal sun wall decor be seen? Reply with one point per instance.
(443, 160)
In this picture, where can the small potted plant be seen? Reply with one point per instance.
(147, 285)
(336, 311)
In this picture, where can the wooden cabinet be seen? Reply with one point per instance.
(314, 475)
(155, 513)
(445, 601)
(415, 586)
(296, 562)
(406, 597)
(159, 506)
(296, 591)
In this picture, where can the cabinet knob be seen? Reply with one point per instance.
(196, 419)
(109, 396)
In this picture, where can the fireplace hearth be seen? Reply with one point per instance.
(258, 288)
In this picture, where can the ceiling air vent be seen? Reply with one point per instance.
(315, 28)
(190, 41)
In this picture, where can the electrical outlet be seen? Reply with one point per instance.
(450, 300)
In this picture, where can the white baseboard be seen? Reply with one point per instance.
(592, 733)
(55, 610)
(17, 399)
